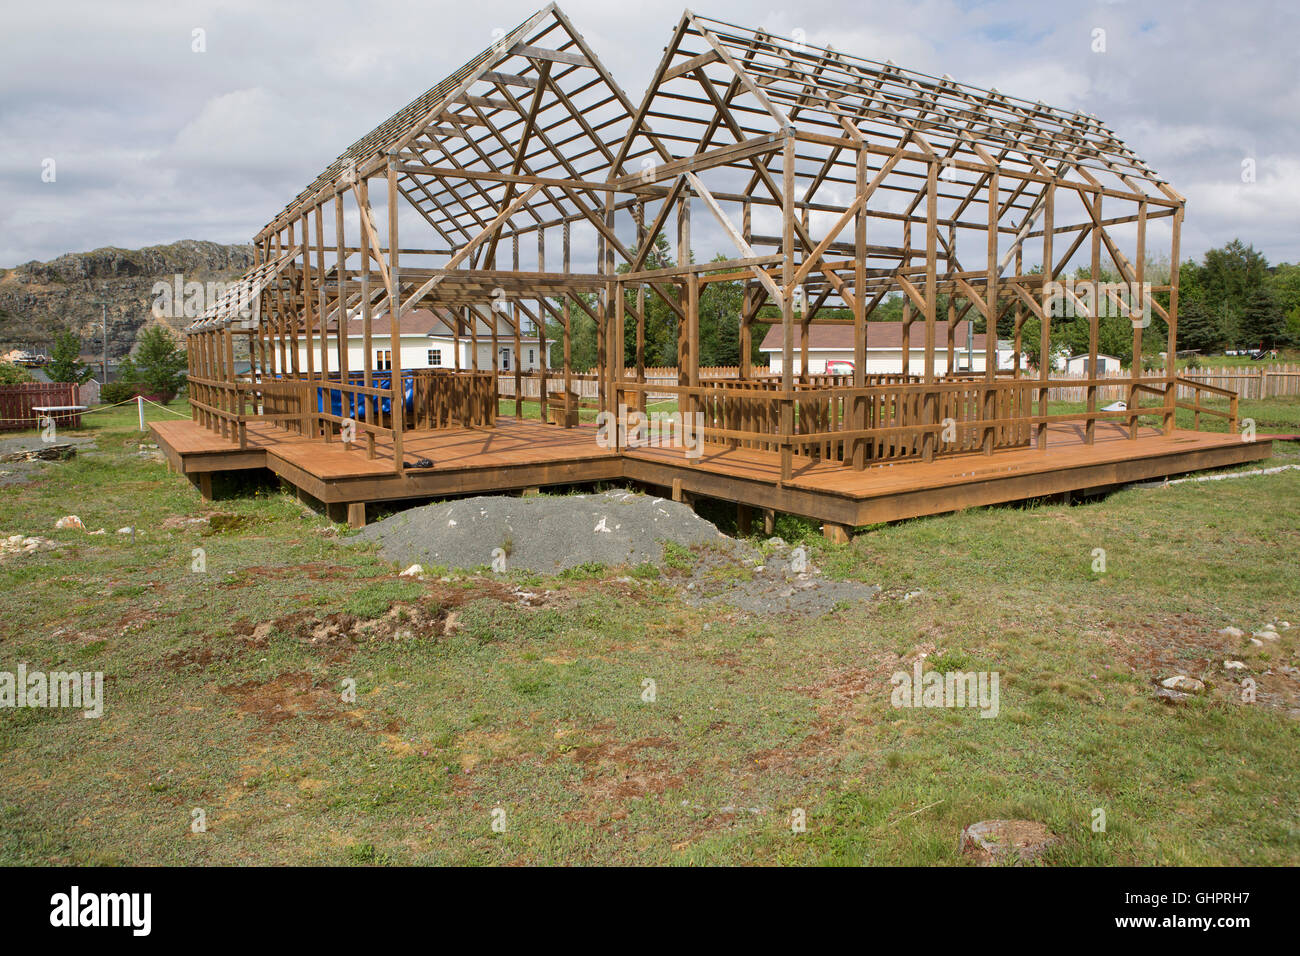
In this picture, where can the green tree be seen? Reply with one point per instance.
(1198, 327)
(1262, 322)
(1228, 277)
(158, 363)
(65, 364)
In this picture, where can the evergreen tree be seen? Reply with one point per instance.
(65, 364)
(1198, 328)
(1262, 322)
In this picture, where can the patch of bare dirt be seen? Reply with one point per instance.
(283, 698)
(1188, 645)
(617, 773)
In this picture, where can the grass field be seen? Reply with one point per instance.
(225, 689)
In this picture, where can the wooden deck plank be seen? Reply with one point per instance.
(517, 454)
(1065, 450)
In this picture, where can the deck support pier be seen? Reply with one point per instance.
(203, 481)
(837, 533)
(744, 520)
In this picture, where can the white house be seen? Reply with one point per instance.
(831, 343)
(1078, 364)
(426, 341)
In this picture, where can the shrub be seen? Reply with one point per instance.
(115, 392)
(11, 374)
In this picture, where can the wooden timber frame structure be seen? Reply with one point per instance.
(838, 181)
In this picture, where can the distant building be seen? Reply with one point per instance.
(834, 343)
(426, 341)
(1078, 364)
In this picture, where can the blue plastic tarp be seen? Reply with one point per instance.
(348, 405)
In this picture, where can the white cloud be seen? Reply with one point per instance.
(157, 143)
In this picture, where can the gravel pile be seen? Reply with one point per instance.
(543, 533)
(548, 534)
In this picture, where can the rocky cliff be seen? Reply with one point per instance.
(40, 299)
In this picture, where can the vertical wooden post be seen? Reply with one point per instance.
(930, 439)
(614, 337)
(541, 329)
(570, 411)
(395, 317)
(1171, 346)
(640, 313)
(747, 313)
(787, 307)
(340, 270)
(322, 304)
(1094, 328)
(991, 319)
(858, 418)
(1045, 323)
(370, 415)
(519, 346)
(1139, 273)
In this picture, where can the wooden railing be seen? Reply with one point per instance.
(444, 398)
(1198, 409)
(878, 424)
(438, 399)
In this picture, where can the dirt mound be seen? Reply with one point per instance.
(545, 533)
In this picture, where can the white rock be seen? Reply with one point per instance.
(1257, 642)
(1266, 635)
(1234, 665)
(127, 530)
(1232, 632)
(1183, 683)
(414, 571)
(69, 521)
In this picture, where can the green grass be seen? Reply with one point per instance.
(468, 700)
(1270, 415)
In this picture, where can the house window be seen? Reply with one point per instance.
(505, 360)
(532, 357)
(435, 357)
(384, 360)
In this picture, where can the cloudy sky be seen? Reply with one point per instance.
(153, 142)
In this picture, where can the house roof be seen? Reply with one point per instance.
(422, 322)
(880, 335)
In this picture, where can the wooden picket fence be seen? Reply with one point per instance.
(1251, 382)
(16, 403)
(1265, 381)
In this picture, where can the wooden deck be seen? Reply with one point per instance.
(517, 455)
